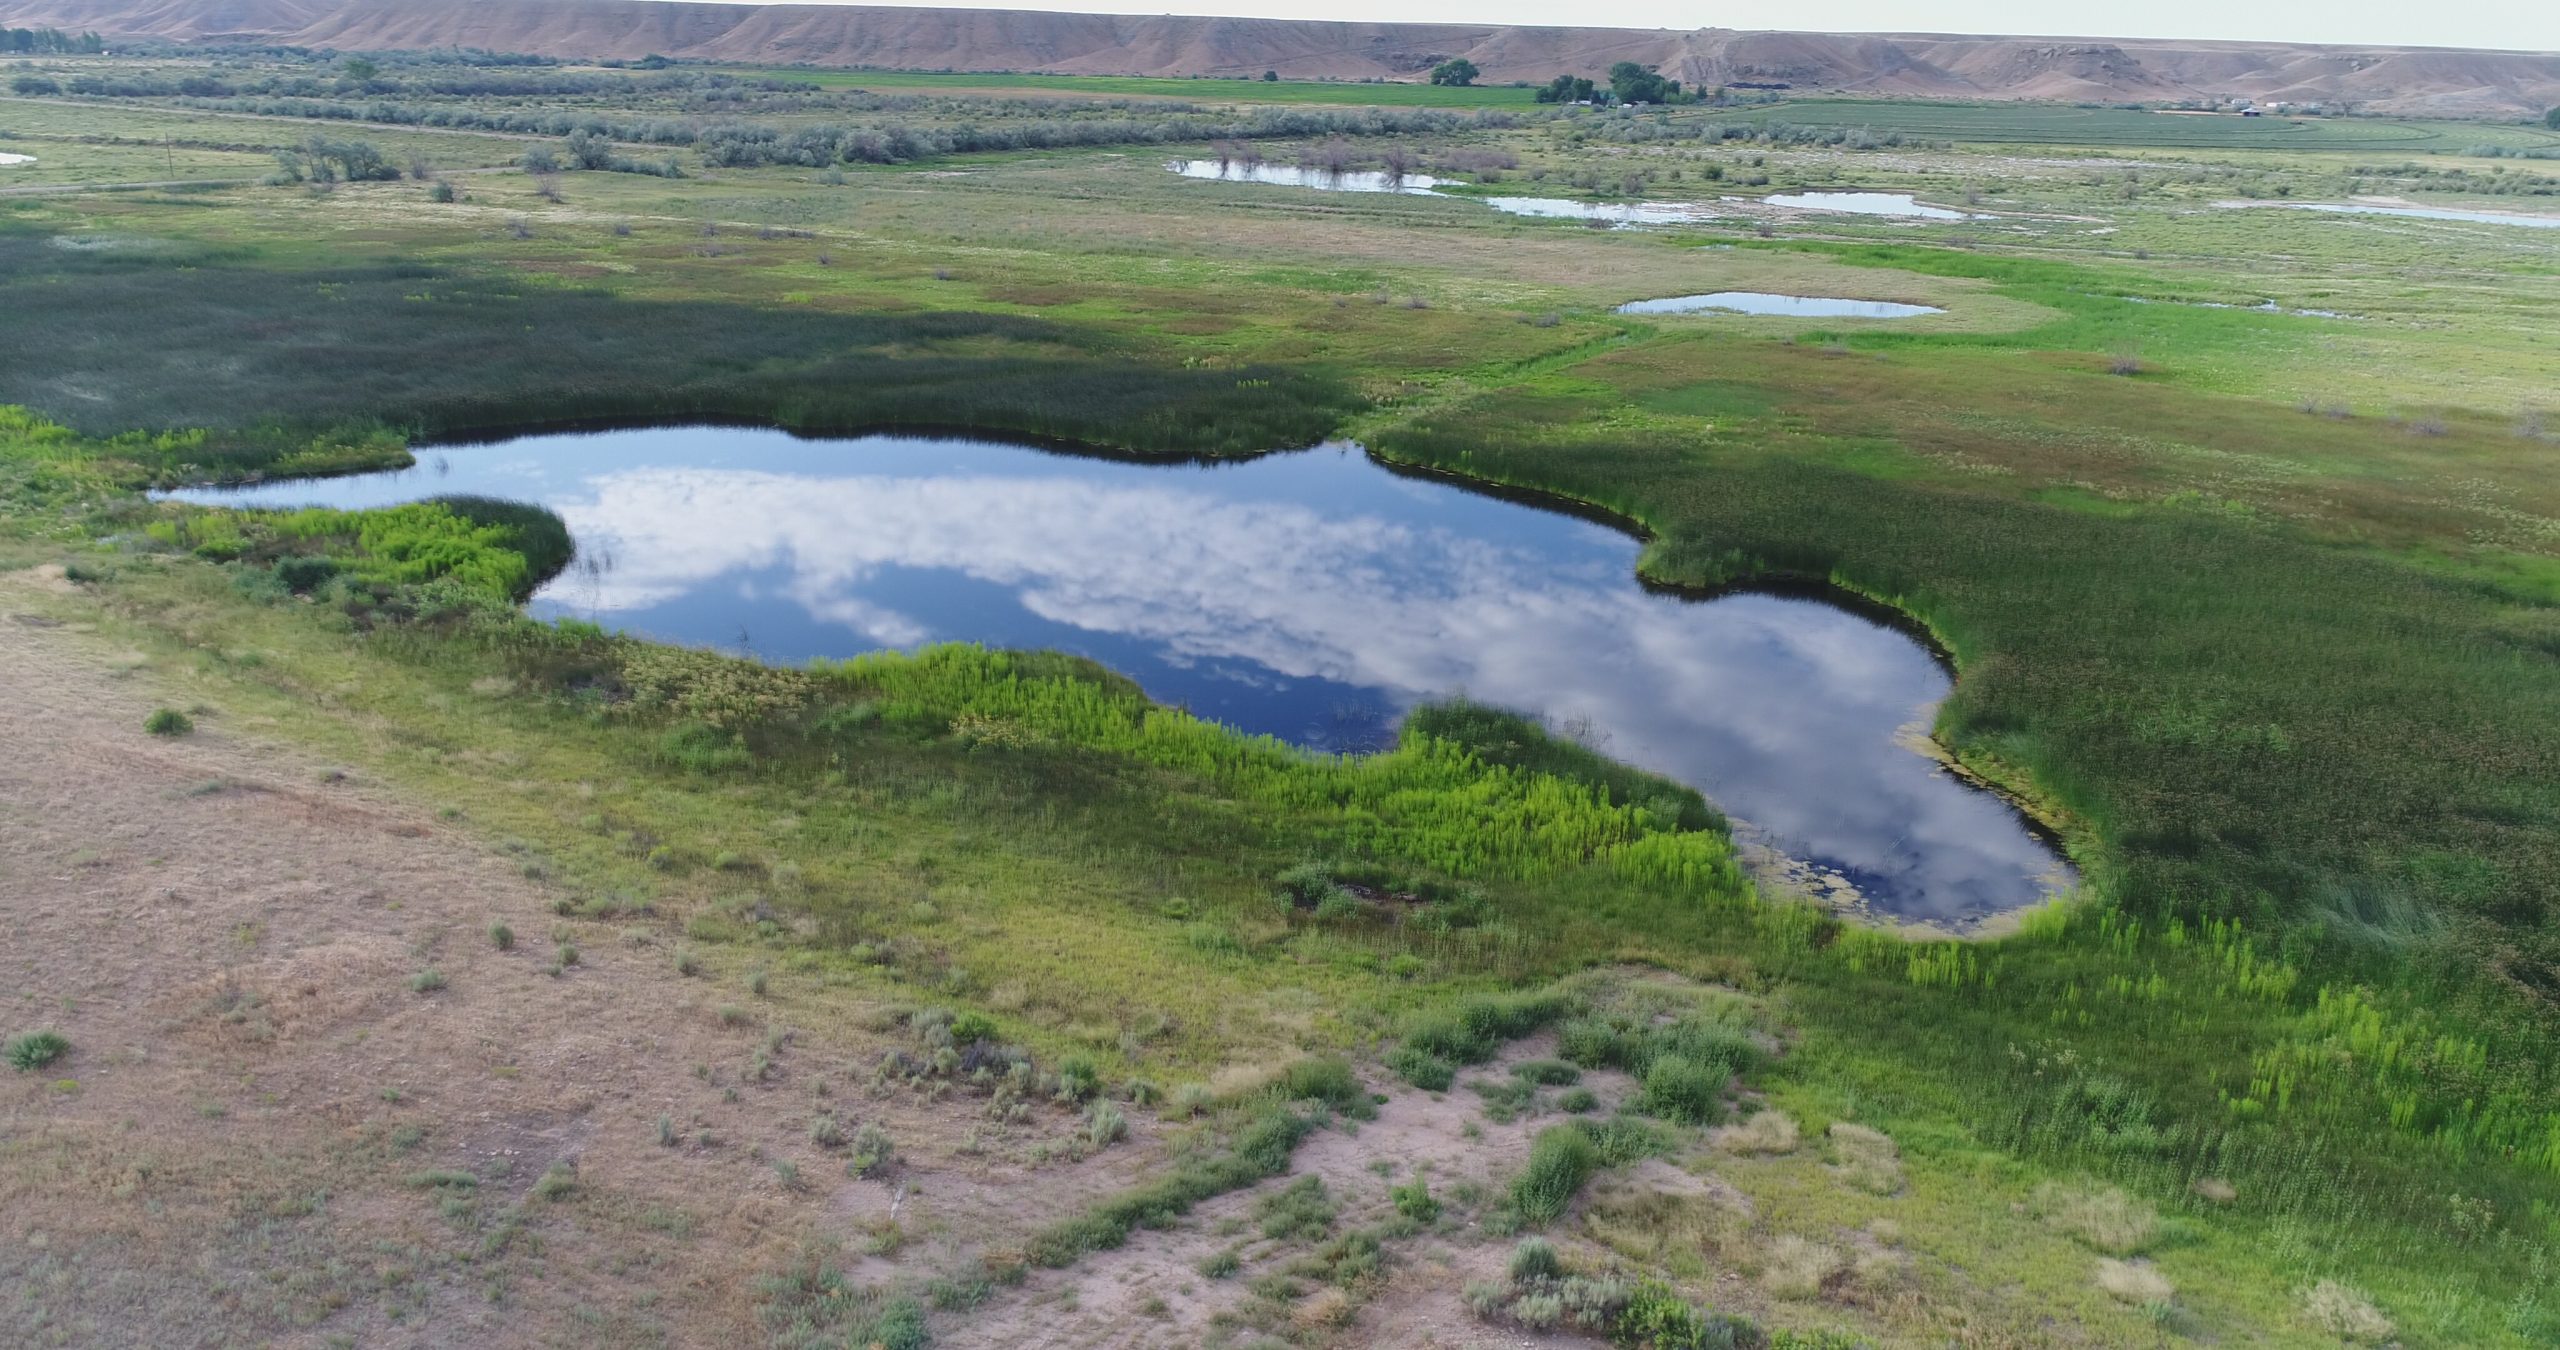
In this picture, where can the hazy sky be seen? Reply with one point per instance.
(2526, 24)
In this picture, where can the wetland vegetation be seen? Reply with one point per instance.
(2255, 609)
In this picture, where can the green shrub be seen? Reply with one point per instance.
(35, 1049)
(1657, 1318)
(1422, 1069)
(1414, 1201)
(168, 722)
(698, 747)
(1535, 1259)
(427, 981)
(502, 937)
(1331, 1081)
(1547, 1072)
(1681, 1089)
(1578, 1100)
(1303, 1211)
(1560, 1160)
(558, 1182)
(1221, 1264)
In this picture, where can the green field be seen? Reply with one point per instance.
(1401, 94)
(2056, 124)
(2256, 608)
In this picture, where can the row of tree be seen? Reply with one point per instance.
(1628, 83)
(49, 42)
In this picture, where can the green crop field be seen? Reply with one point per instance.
(390, 962)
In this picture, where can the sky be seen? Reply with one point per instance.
(2532, 25)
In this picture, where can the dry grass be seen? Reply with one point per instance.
(1866, 1158)
(2134, 1282)
(2343, 1311)
(1770, 1131)
(1799, 1267)
(2106, 1220)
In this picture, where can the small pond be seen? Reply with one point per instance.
(1791, 306)
(1864, 204)
(6, 159)
(1315, 596)
(2413, 213)
(1424, 185)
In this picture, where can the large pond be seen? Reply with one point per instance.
(1315, 596)
(1790, 306)
(1900, 204)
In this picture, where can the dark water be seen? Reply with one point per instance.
(1313, 595)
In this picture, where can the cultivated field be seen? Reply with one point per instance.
(439, 976)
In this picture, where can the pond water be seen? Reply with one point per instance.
(1864, 204)
(1792, 306)
(1424, 185)
(1315, 596)
(2414, 213)
(17, 159)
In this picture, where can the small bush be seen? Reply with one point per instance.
(1867, 1158)
(558, 1183)
(1547, 1072)
(2343, 1311)
(35, 1049)
(871, 1151)
(1414, 1201)
(168, 722)
(1422, 1069)
(2133, 1282)
(1560, 1161)
(1578, 1100)
(1768, 1130)
(1104, 1125)
(1535, 1259)
(1798, 1267)
(2107, 1220)
(1681, 1089)
(1219, 1265)
(427, 981)
(1303, 1211)
(502, 937)
(1330, 1081)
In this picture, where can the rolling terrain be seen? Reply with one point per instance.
(2436, 81)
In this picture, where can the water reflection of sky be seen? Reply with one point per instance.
(1314, 596)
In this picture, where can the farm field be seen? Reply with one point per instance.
(483, 974)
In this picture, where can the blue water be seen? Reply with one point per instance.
(1313, 595)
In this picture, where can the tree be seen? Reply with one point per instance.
(1271, 77)
(1456, 72)
(2551, 119)
(360, 69)
(1633, 83)
(1566, 89)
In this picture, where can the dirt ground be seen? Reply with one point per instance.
(276, 1126)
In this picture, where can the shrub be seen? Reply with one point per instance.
(1550, 1072)
(35, 1049)
(1768, 1130)
(1422, 1069)
(1578, 1100)
(871, 1151)
(969, 1028)
(2133, 1281)
(427, 981)
(1677, 1088)
(1221, 1264)
(1302, 1211)
(2106, 1220)
(1414, 1201)
(2343, 1311)
(1656, 1317)
(502, 937)
(1104, 1125)
(1867, 1159)
(168, 722)
(825, 1132)
(1560, 1161)
(558, 1183)
(1535, 1259)
(1078, 1080)
(1331, 1081)
(1798, 1267)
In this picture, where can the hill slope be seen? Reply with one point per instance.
(2392, 79)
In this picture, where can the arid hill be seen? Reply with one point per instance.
(2383, 79)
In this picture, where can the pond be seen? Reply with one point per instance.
(1316, 596)
(6, 160)
(1864, 204)
(1791, 306)
(1424, 185)
(2414, 213)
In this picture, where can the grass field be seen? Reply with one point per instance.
(2258, 605)
(2056, 124)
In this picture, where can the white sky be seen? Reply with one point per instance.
(2531, 25)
